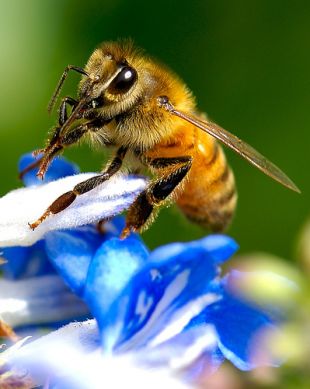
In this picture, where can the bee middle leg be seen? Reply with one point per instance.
(66, 199)
(173, 170)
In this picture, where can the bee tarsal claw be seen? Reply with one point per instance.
(35, 153)
(125, 233)
(35, 224)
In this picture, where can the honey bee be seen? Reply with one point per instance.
(128, 101)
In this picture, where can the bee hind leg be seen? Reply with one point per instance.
(173, 172)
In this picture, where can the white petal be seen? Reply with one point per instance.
(72, 353)
(183, 316)
(38, 300)
(50, 351)
(25, 205)
(181, 353)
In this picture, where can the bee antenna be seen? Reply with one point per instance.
(55, 95)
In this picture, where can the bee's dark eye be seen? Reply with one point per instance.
(123, 81)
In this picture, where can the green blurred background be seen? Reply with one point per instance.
(247, 62)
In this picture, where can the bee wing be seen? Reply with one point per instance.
(240, 147)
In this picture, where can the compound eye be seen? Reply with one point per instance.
(123, 81)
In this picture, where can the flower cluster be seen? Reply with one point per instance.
(168, 310)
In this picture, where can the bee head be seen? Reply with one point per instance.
(111, 85)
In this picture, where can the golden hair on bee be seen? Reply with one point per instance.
(129, 101)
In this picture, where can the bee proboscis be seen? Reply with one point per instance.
(137, 106)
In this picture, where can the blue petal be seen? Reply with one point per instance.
(217, 247)
(60, 167)
(71, 251)
(238, 326)
(113, 266)
(175, 275)
(26, 262)
(17, 259)
(38, 300)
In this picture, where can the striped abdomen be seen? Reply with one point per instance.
(209, 195)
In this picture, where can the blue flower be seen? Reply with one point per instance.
(27, 267)
(164, 302)
(169, 308)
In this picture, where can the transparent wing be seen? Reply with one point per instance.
(240, 147)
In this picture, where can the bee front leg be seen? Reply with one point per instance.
(58, 143)
(63, 114)
(173, 170)
(66, 199)
(50, 151)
